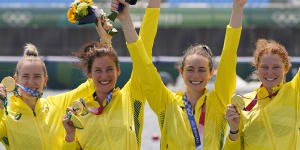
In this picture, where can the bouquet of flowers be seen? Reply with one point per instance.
(85, 12)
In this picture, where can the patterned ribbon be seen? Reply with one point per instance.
(32, 92)
(99, 110)
(193, 122)
(254, 101)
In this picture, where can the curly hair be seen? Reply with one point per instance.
(264, 46)
(93, 50)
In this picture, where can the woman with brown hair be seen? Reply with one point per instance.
(117, 123)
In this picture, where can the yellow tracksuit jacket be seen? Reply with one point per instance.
(169, 108)
(41, 129)
(121, 122)
(272, 124)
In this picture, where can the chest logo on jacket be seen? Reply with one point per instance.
(18, 116)
(5, 140)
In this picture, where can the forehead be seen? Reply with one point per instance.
(196, 61)
(103, 61)
(270, 59)
(31, 67)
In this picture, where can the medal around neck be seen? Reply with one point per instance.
(9, 83)
(238, 102)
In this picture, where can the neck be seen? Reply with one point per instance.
(30, 102)
(269, 91)
(193, 96)
(101, 97)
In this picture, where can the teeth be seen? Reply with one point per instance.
(194, 82)
(270, 79)
(104, 82)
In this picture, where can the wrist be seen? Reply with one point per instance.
(234, 131)
(70, 137)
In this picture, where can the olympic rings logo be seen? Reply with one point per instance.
(286, 18)
(17, 18)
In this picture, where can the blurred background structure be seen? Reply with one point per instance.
(182, 23)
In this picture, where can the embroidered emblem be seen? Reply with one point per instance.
(5, 140)
(46, 109)
(18, 116)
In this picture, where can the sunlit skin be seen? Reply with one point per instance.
(104, 74)
(196, 74)
(271, 71)
(31, 75)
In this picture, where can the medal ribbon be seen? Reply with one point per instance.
(192, 120)
(30, 91)
(101, 108)
(254, 101)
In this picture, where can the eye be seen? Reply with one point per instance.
(98, 71)
(276, 67)
(264, 67)
(189, 70)
(202, 70)
(37, 76)
(25, 76)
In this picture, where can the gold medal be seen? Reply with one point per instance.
(76, 121)
(92, 104)
(9, 83)
(78, 107)
(238, 102)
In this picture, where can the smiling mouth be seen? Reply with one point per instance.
(270, 79)
(196, 82)
(104, 82)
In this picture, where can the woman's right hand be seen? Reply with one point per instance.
(69, 127)
(233, 118)
(2, 95)
(102, 28)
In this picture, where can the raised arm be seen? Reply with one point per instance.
(152, 86)
(227, 65)
(149, 25)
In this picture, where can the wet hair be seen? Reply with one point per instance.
(30, 54)
(201, 50)
(93, 50)
(264, 46)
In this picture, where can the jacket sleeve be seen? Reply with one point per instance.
(3, 131)
(296, 81)
(65, 99)
(232, 145)
(147, 34)
(148, 28)
(156, 92)
(71, 145)
(224, 89)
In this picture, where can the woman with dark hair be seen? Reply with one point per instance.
(117, 123)
(195, 119)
